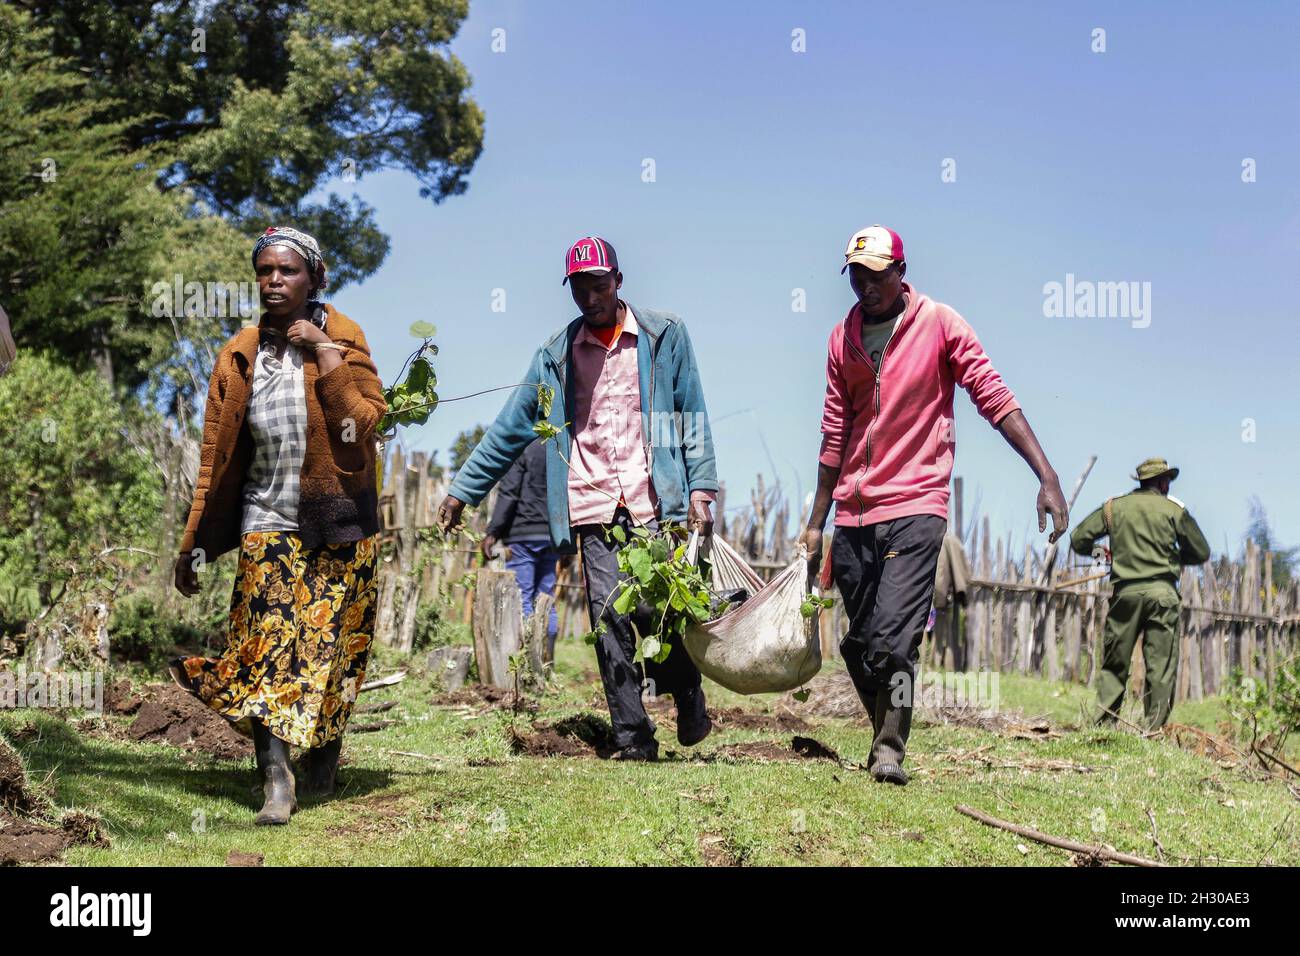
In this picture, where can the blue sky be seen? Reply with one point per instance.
(1122, 166)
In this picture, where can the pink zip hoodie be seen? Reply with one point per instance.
(891, 435)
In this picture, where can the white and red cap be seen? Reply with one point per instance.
(874, 247)
(590, 254)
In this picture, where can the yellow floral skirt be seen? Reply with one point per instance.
(301, 623)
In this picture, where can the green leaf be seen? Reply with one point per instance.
(545, 430)
(801, 695)
(626, 600)
(639, 561)
(545, 396)
(618, 533)
(650, 647)
(417, 378)
(423, 330)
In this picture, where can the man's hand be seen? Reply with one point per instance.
(449, 514)
(699, 519)
(184, 576)
(488, 546)
(811, 539)
(1052, 501)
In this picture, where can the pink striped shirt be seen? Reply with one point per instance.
(608, 448)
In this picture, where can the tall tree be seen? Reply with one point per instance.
(84, 231)
(263, 103)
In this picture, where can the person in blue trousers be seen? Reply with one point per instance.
(522, 522)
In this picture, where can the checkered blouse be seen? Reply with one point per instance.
(277, 418)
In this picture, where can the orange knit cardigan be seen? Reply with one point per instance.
(337, 499)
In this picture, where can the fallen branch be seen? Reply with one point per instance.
(388, 681)
(1096, 851)
(411, 753)
(368, 728)
(1262, 753)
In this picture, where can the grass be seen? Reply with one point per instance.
(480, 804)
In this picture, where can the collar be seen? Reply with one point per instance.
(629, 326)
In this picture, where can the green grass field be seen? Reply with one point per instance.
(479, 803)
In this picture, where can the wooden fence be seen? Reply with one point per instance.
(1027, 612)
(413, 570)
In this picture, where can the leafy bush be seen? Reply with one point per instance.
(428, 630)
(138, 632)
(76, 490)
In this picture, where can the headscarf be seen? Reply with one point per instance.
(301, 243)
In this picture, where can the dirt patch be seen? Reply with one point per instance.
(83, 828)
(173, 716)
(583, 735)
(813, 749)
(235, 858)
(767, 751)
(482, 695)
(547, 743)
(120, 699)
(26, 835)
(714, 850)
(16, 797)
(23, 841)
(734, 718)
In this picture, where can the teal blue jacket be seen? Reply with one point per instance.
(670, 383)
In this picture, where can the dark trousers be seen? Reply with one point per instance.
(616, 646)
(885, 575)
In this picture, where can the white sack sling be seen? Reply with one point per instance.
(764, 645)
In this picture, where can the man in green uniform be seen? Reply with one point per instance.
(1151, 537)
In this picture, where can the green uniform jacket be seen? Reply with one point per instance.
(1151, 537)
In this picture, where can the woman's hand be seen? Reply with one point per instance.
(185, 577)
(306, 334)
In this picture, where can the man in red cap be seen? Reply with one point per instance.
(633, 448)
(886, 459)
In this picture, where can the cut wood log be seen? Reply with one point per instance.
(450, 665)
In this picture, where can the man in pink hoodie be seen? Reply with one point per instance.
(886, 460)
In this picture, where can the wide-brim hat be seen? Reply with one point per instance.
(1154, 468)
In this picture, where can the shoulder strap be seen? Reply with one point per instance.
(1108, 515)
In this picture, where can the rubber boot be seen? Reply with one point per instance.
(693, 723)
(322, 767)
(277, 779)
(893, 723)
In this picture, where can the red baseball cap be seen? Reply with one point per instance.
(590, 254)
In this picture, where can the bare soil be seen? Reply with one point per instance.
(173, 716)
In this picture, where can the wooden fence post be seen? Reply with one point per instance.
(498, 625)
